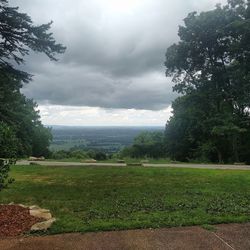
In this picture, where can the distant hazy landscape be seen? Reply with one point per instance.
(106, 139)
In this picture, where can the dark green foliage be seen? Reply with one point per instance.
(8, 148)
(8, 141)
(211, 69)
(146, 145)
(20, 114)
(41, 140)
(4, 172)
(78, 154)
(97, 155)
(57, 155)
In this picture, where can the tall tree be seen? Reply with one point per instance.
(18, 35)
(212, 61)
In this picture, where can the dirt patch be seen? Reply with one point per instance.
(15, 220)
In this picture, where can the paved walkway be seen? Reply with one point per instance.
(225, 237)
(180, 165)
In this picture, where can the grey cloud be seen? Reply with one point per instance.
(113, 59)
(89, 88)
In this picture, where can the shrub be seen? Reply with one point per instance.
(8, 141)
(97, 155)
(78, 154)
(4, 173)
(61, 154)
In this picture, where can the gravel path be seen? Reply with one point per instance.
(180, 165)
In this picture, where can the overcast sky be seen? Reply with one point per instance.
(112, 72)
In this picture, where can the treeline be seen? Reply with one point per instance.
(146, 145)
(79, 154)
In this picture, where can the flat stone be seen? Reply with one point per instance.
(43, 226)
(90, 161)
(32, 158)
(41, 213)
(21, 205)
(34, 207)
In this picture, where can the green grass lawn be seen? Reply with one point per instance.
(106, 198)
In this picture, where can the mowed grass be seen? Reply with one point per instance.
(111, 198)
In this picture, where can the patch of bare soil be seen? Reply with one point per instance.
(15, 220)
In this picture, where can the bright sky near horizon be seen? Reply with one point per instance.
(112, 72)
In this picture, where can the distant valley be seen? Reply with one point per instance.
(106, 139)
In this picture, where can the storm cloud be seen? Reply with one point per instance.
(115, 51)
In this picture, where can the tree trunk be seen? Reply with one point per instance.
(219, 156)
(235, 150)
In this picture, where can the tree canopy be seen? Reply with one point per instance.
(146, 145)
(210, 67)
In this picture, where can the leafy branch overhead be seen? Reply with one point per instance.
(18, 35)
(4, 170)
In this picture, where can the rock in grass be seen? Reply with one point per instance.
(41, 213)
(32, 158)
(21, 205)
(90, 161)
(34, 207)
(43, 226)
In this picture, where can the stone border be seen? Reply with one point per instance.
(40, 213)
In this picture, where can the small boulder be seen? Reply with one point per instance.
(34, 207)
(21, 205)
(43, 226)
(32, 158)
(41, 213)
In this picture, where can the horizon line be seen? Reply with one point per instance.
(46, 125)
